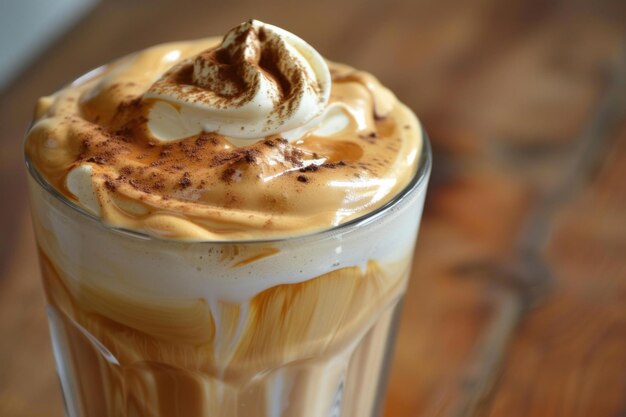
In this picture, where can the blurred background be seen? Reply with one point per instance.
(517, 306)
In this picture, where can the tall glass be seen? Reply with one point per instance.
(294, 327)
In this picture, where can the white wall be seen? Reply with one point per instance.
(28, 26)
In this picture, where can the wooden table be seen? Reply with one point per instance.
(517, 306)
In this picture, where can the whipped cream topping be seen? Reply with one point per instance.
(261, 80)
(339, 144)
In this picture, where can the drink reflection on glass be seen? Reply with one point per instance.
(225, 229)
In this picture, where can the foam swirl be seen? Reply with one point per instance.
(261, 80)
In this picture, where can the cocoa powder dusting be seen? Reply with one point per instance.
(185, 181)
(97, 160)
(370, 137)
(294, 155)
(126, 170)
(229, 75)
(110, 185)
(248, 155)
(333, 165)
(228, 174)
(122, 147)
(309, 168)
(205, 138)
(140, 186)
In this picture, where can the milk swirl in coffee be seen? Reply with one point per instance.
(232, 154)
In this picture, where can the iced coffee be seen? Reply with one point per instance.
(225, 228)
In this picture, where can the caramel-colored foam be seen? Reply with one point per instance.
(204, 187)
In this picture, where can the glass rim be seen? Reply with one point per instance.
(422, 172)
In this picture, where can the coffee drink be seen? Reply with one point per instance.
(225, 228)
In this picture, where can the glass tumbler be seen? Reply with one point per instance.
(295, 327)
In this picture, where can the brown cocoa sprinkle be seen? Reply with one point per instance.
(133, 183)
(238, 155)
(294, 155)
(190, 150)
(132, 104)
(109, 155)
(126, 170)
(407, 126)
(250, 155)
(110, 185)
(97, 160)
(204, 137)
(84, 148)
(227, 175)
(333, 165)
(144, 188)
(125, 133)
(165, 152)
(229, 73)
(201, 140)
(303, 178)
(309, 168)
(221, 158)
(370, 137)
(271, 57)
(185, 181)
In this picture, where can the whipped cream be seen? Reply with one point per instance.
(261, 80)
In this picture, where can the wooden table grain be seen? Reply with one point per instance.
(517, 302)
